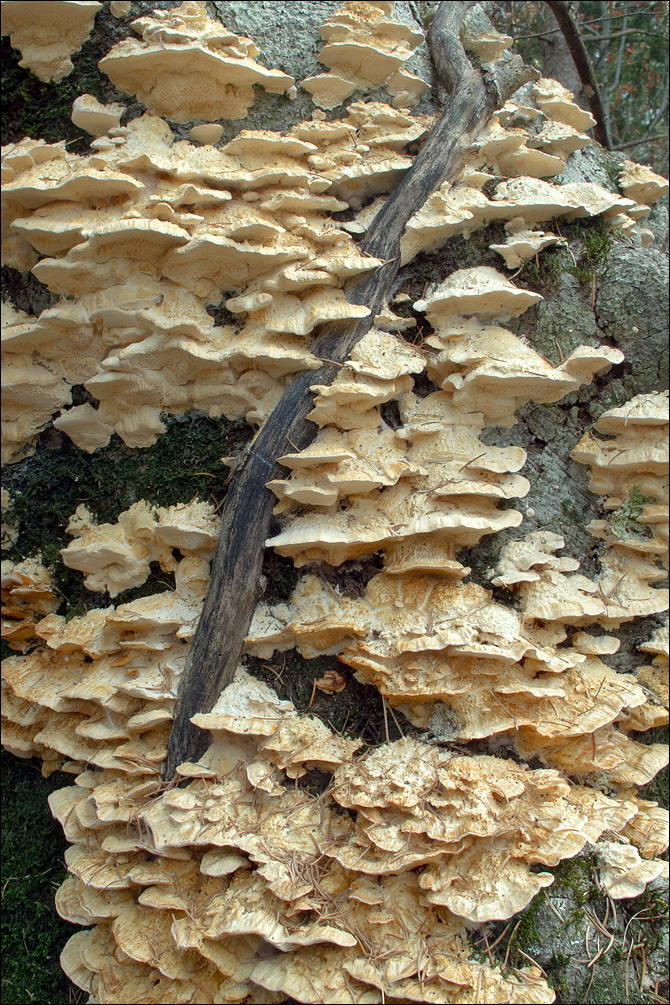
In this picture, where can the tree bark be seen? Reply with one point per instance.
(228, 608)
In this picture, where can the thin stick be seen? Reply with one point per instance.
(386, 720)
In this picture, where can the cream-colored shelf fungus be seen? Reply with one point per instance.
(188, 66)
(239, 885)
(49, 34)
(365, 46)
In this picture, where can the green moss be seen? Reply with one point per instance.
(589, 246)
(32, 869)
(524, 934)
(46, 488)
(594, 240)
(543, 270)
(577, 875)
(42, 110)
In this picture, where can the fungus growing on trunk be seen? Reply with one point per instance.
(556, 102)
(239, 881)
(364, 48)
(630, 470)
(27, 595)
(47, 33)
(117, 557)
(206, 134)
(188, 66)
(640, 183)
(95, 118)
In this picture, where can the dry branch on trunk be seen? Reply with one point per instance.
(215, 651)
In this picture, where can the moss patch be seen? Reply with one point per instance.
(558, 932)
(47, 487)
(42, 110)
(623, 522)
(589, 246)
(32, 869)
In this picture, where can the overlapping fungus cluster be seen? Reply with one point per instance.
(47, 41)
(366, 47)
(142, 234)
(241, 885)
(460, 664)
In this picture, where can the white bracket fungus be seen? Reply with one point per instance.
(556, 102)
(117, 557)
(188, 66)
(365, 48)
(640, 183)
(48, 32)
(95, 118)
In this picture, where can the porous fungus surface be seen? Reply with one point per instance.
(292, 859)
(48, 33)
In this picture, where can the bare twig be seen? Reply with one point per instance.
(637, 143)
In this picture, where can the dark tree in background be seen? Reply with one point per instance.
(628, 46)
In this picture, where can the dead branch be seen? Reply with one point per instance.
(219, 638)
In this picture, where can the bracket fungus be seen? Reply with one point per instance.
(117, 557)
(240, 882)
(48, 33)
(556, 102)
(640, 183)
(188, 66)
(630, 470)
(95, 118)
(146, 274)
(365, 47)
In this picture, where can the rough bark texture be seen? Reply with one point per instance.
(630, 312)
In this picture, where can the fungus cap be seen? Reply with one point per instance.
(188, 66)
(328, 90)
(47, 39)
(641, 183)
(481, 291)
(557, 102)
(207, 133)
(93, 117)
(488, 46)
